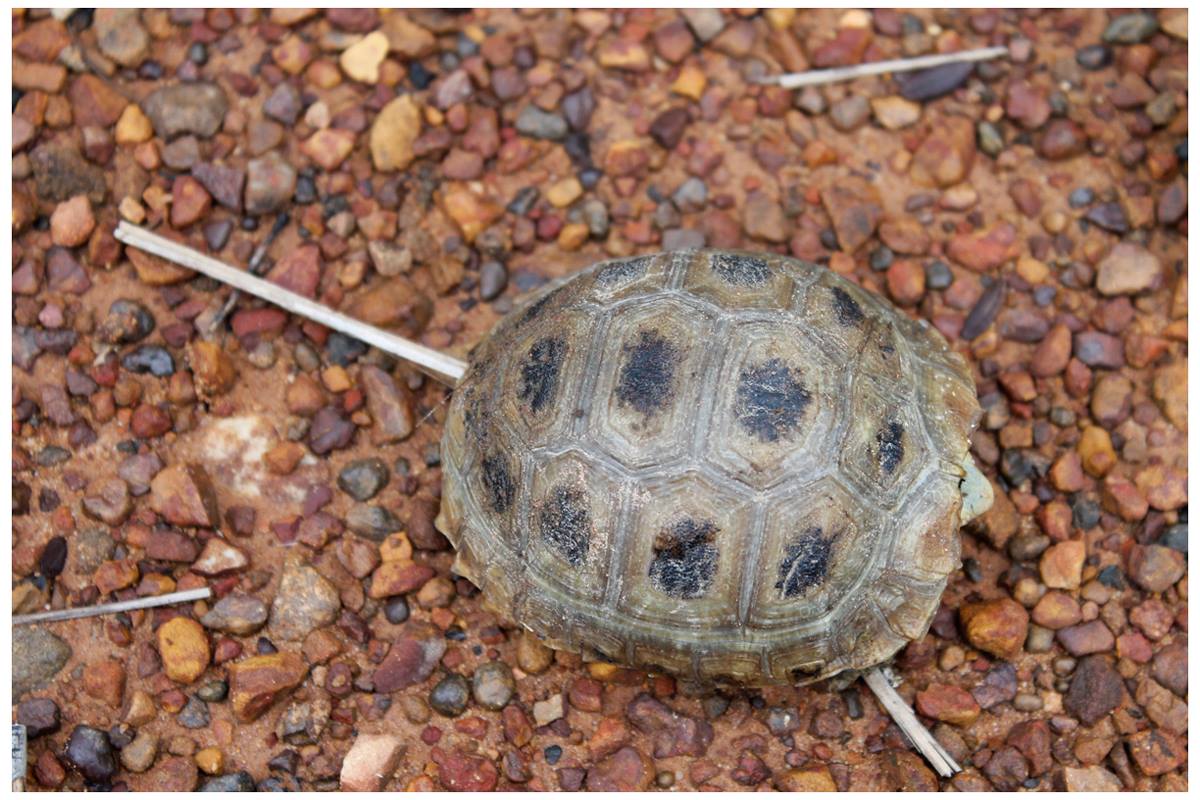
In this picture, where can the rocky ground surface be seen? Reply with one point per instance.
(422, 170)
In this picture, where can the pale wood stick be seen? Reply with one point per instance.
(20, 756)
(904, 717)
(203, 593)
(795, 80)
(444, 368)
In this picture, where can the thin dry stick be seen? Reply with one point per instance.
(795, 80)
(904, 717)
(186, 596)
(444, 368)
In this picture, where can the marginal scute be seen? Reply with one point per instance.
(622, 272)
(846, 309)
(739, 280)
(739, 269)
(738, 467)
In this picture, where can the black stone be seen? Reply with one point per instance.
(685, 559)
(53, 557)
(1109, 216)
(771, 400)
(150, 359)
(1112, 577)
(306, 190)
(90, 752)
(524, 200)
(1175, 537)
(805, 563)
(984, 312)
(539, 372)
(740, 270)
(846, 308)
(419, 76)
(881, 258)
(343, 350)
(395, 610)
(1085, 513)
(127, 322)
(647, 377)
(498, 482)
(234, 782)
(194, 715)
(565, 524)
(889, 444)
(287, 761)
(1094, 57)
(930, 84)
(449, 698)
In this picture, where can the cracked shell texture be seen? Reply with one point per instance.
(735, 467)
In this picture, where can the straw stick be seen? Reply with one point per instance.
(202, 593)
(904, 717)
(444, 368)
(795, 80)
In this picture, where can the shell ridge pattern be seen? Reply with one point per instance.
(582, 399)
(758, 535)
(708, 400)
(618, 542)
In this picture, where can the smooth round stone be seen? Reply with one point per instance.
(493, 685)
(364, 478)
(396, 610)
(449, 697)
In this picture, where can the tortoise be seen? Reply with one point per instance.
(736, 467)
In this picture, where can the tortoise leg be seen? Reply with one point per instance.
(904, 717)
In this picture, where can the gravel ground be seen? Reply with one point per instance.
(426, 169)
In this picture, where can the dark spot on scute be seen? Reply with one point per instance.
(566, 524)
(537, 308)
(646, 378)
(770, 400)
(498, 482)
(846, 308)
(539, 372)
(477, 418)
(805, 563)
(890, 444)
(740, 270)
(685, 559)
(622, 271)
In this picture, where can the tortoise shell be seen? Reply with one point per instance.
(735, 467)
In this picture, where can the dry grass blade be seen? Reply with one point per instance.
(444, 368)
(796, 80)
(904, 717)
(59, 615)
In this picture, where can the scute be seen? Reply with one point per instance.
(734, 466)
